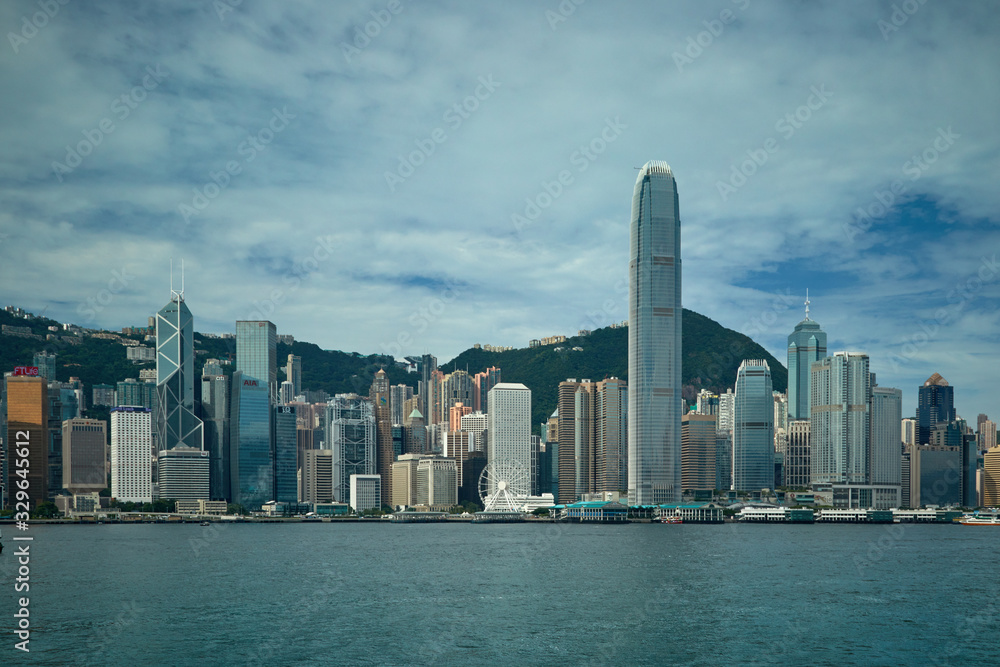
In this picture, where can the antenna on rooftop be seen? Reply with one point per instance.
(807, 303)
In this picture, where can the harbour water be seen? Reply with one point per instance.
(398, 594)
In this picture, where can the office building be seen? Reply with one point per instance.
(437, 483)
(798, 454)
(935, 476)
(256, 352)
(365, 492)
(991, 477)
(806, 345)
(251, 457)
(509, 428)
(753, 428)
(698, 450)
(426, 390)
(176, 423)
(131, 455)
(284, 433)
(84, 456)
(935, 405)
(654, 339)
(286, 393)
(350, 433)
(183, 474)
(457, 445)
(215, 415)
(28, 427)
(317, 476)
(986, 435)
(385, 451)
(885, 443)
(576, 439)
(404, 480)
(909, 431)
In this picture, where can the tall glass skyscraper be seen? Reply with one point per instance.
(251, 459)
(805, 345)
(935, 405)
(285, 454)
(753, 428)
(256, 351)
(176, 423)
(654, 339)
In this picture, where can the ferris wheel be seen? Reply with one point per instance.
(504, 486)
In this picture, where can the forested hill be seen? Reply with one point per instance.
(711, 357)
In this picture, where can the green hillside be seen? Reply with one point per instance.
(711, 356)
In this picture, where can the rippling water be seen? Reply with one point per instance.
(373, 594)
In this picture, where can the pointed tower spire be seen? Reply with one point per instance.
(807, 303)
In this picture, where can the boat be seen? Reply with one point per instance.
(980, 520)
(205, 523)
(671, 519)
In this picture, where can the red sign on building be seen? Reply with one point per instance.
(26, 370)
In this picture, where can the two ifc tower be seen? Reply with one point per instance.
(654, 339)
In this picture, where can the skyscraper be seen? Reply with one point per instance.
(508, 428)
(753, 428)
(886, 445)
(379, 395)
(654, 339)
(611, 448)
(805, 345)
(935, 405)
(27, 427)
(251, 459)
(215, 415)
(991, 477)
(399, 394)
(698, 437)
(576, 439)
(350, 433)
(840, 396)
(131, 455)
(285, 454)
(46, 362)
(85, 453)
(176, 423)
(256, 352)
(293, 372)
(484, 382)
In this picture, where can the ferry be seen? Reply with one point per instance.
(671, 519)
(980, 520)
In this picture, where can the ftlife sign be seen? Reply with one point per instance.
(31, 371)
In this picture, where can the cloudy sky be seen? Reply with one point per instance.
(417, 177)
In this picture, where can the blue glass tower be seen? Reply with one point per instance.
(176, 423)
(805, 345)
(935, 405)
(654, 339)
(753, 428)
(251, 461)
(285, 454)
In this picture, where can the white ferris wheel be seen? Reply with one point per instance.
(504, 486)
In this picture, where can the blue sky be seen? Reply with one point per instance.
(463, 172)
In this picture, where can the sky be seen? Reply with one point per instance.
(407, 177)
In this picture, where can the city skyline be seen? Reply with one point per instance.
(911, 281)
